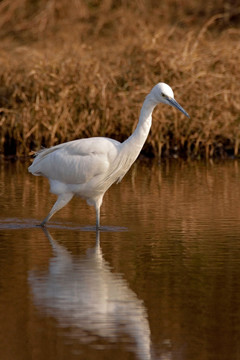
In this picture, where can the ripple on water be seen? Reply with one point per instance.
(15, 224)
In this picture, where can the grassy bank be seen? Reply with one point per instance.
(82, 68)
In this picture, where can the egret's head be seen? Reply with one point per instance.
(162, 93)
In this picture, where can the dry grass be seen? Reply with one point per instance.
(76, 68)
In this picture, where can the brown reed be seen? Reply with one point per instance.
(72, 69)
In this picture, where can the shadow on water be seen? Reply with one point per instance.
(83, 294)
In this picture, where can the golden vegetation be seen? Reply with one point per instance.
(78, 68)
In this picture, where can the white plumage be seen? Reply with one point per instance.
(88, 167)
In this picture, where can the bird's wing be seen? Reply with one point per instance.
(76, 162)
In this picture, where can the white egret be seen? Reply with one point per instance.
(88, 167)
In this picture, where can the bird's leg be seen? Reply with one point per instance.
(97, 205)
(98, 218)
(62, 200)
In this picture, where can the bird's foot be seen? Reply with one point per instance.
(42, 225)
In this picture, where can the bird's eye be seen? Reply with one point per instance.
(163, 95)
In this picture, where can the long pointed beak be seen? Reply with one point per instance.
(175, 104)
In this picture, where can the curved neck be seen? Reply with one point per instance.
(139, 136)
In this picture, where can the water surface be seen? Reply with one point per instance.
(161, 281)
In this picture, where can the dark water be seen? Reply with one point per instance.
(162, 281)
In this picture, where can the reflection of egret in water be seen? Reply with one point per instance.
(83, 294)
